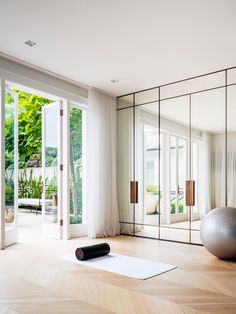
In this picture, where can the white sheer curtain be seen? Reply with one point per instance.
(218, 170)
(212, 183)
(231, 169)
(139, 165)
(102, 209)
(205, 175)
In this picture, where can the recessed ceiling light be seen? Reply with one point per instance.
(30, 43)
(114, 81)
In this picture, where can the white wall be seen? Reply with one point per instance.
(35, 79)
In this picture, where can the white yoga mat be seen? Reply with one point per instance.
(124, 265)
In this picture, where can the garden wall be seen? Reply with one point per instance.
(37, 172)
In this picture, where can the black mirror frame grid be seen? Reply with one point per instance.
(133, 103)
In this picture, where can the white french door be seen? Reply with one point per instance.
(63, 169)
(9, 166)
(178, 176)
(52, 169)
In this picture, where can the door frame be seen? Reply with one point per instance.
(69, 98)
(2, 163)
(68, 230)
(8, 237)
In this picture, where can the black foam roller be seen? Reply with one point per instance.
(92, 251)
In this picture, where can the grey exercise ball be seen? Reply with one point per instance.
(218, 232)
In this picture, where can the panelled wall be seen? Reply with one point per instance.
(177, 150)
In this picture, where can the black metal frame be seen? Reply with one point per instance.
(158, 101)
(183, 80)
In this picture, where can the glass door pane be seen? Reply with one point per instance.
(178, 177)
(52, 170)
(77, 136)
(11, 166)
(173, 176)
(182, 177)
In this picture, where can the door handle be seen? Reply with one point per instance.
(133, 192)
(190, 193)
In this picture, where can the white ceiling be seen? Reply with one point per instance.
(141, 43)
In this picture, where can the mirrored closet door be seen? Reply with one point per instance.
(125, 163)
(208, 155)
(147, 169)
(231, 138)
(176, 156)
(174, 130)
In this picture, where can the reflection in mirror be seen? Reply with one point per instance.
(125, 101)
(231, 149)
(189, 144)
(208, 155)
(146, 97)
(231, 76)
(193, 85)
(147, 170)
(125, 166)
(174, 130)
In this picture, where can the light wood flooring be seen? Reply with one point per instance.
(33, 279)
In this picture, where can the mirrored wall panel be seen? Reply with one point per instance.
(231, 145)
(191, 86)
(208, 155)
(125, 102)
(177, 156)
(125, 164)
(147, 211)
(175, 139)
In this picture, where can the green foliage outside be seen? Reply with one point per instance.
(173, 207)
(75, 219)
(29, 127)
(9, 146)
(51, 187)
(181, 208)
(51, 156)
(30, 187)
(9, 187)
(76, 166)
(9, 131)
(30, 147)
(30, 141)
(150, 188)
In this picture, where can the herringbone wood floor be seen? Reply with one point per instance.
(33, 279)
